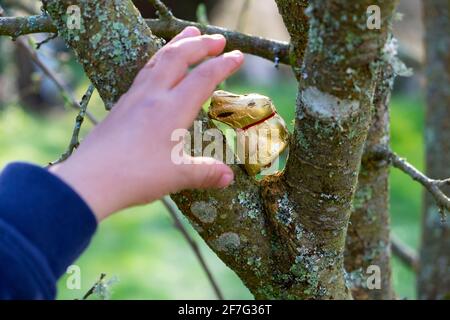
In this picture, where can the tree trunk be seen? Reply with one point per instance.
(285, 238)
(434, 271)
(368, 233)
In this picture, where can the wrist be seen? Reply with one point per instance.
(86, 185)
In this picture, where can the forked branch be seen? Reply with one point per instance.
(434, 186)
(75, 140)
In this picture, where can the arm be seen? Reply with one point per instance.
(47, 218)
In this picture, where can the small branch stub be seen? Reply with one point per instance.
(162, 10)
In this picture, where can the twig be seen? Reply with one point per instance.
(92, 289)
(46, 40)
(167, 29)
(161, 9)
(433, 186)
(75, 140)
(258, 46)
(18, 26)
(173, 212)
(66, 93)
(406, 254)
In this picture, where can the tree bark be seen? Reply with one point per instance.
(113, 43)
(434, 271)
(333, 116)
(284, 238)
(296, 22)
(367, 242)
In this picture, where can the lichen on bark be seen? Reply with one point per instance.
(337, 86)
(296, 22)
(368, 235)
(285, 237)
(112, 43)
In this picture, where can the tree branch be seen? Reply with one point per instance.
(173, 212)
(432, 185)
(65, 92)
(296, 22)
(268, 49)
(165, 28)
(112, 50)
(75, 140)
(92, 289)
(368, 238)
(162, 10)
(18, 26)
(406, 254)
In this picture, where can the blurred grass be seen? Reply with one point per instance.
(143, 249)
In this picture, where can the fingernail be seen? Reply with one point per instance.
(217, 37)
(225, 180)
(235, 55)
(190, 30)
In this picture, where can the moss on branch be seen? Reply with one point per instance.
(112, 43)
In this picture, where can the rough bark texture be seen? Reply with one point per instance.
(113, 43)
(434, 273)
(367, 240)
(337, 85)
(295, 20)
(284, 238)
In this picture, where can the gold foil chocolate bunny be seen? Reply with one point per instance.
(261, 133)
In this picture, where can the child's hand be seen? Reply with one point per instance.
(126, 160)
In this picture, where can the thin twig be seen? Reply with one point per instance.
(173, 212)
(432, 185)
(161, 9)
(92, 289)
(65, 92)
(167, 29)
(46, 40)
(405, 253)
(75, 140)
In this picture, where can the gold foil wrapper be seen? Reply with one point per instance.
(261, 134)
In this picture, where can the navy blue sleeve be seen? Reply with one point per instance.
(44, 227)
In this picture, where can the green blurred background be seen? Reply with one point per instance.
(141, 247)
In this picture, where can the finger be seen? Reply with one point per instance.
(173, 61)
(203, 173)
(199, 85)
(143, 75)
(186, 33)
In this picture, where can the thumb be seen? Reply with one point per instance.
(203, 173)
